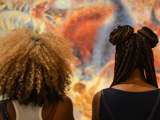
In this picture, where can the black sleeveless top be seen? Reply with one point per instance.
(121, 105)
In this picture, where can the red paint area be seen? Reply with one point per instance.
(81, 28)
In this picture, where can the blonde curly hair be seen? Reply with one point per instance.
(34, 68)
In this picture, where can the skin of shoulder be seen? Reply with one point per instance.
(64, 109)
(10, 110)
(1, 117)
(96, 106)
(134, 87)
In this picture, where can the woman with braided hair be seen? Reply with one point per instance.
(34, 76)
(134, 93)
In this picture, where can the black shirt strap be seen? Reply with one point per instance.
(3, 109)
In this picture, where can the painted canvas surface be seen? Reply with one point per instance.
(86, 25)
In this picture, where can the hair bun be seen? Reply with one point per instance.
(150, 35)
(120, 34)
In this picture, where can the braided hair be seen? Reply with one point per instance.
(133, 50)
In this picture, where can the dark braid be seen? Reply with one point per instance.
(133, 51)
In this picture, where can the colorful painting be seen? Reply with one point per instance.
(86, 24)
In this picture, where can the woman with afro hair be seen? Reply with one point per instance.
(134, 93)
(34, 77)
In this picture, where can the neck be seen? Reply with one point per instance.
(136, 77)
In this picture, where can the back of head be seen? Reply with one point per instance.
(133, 50)
(34, 68)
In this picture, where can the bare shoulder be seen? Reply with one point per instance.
(96, 100)
(96, 106)
(66, 102)
(64, 109)
(97, 96)
(10, 110)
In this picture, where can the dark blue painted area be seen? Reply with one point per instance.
(5, 9)
(25, 8)
(154, 20)
(103, 50)
(51, 19)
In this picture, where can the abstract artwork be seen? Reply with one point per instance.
(86, 25)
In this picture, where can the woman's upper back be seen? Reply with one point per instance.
(134, 63)
(61, 111)
(118, 104)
